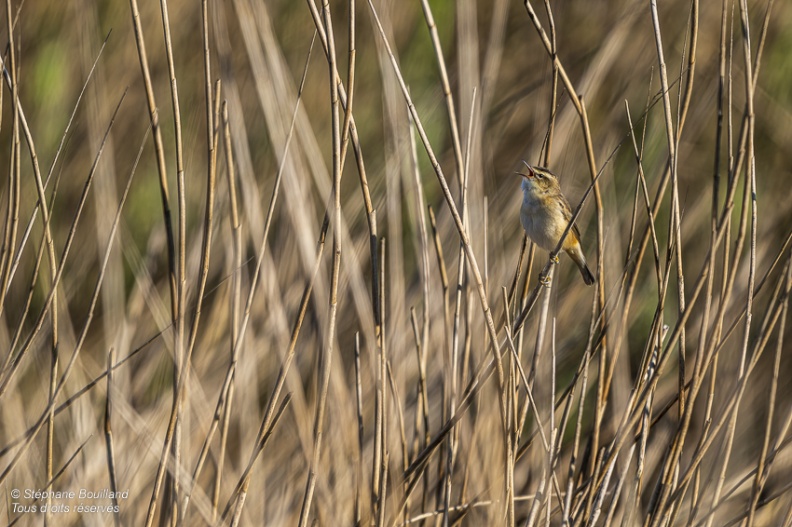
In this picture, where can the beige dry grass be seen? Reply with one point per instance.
(262, 263)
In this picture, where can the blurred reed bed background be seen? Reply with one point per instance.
(262, 262)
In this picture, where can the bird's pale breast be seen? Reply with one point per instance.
(543, 224)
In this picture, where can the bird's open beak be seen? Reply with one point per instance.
(530, 173)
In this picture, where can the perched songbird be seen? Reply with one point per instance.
(545, 214)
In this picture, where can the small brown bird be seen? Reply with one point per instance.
(545, 213)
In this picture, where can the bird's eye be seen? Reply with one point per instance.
(539, 175)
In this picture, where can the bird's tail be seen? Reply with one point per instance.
(586, 272)
(580, 260)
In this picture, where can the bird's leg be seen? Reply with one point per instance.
(554, 258)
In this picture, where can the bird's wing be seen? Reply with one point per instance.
(567, 210)
(576, 232)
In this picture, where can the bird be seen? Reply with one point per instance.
(545, 214)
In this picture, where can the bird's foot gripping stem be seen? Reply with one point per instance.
(554, 258)
(545, 280)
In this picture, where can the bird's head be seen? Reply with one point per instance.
(537, 179)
